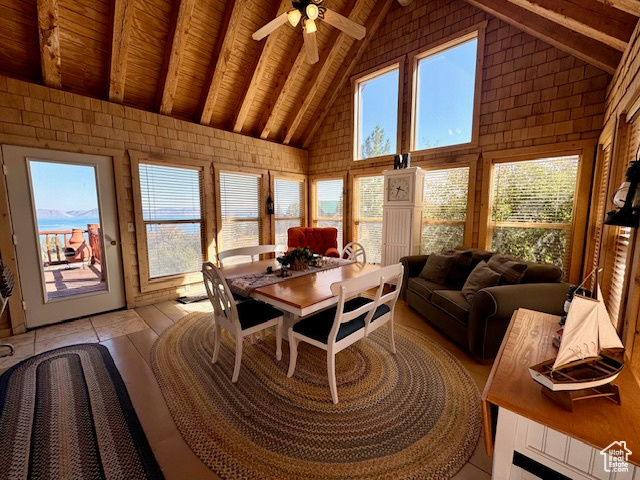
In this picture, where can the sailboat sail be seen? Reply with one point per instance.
(606, 331)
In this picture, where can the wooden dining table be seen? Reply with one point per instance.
(301, 295)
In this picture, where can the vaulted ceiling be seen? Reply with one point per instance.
(196, 60)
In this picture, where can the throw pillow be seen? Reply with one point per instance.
(511, 269)
(481, 277)
(461, 267)
(437, 268)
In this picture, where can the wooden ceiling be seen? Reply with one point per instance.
(196, 60)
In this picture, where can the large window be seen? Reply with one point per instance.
(376, 113)
(239, 210)
(289, 207)
(445, 208)
(444, 94)
(328, 206)
(171, 199)
(532, 209)
(368, 221)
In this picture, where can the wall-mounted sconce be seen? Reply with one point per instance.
(270, 207)
(627, 199)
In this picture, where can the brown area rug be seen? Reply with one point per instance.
(414, 415)
(66, 414)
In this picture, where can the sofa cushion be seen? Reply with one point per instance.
(481, 277)
(424, 288)
(453, 303)
(437, 268)
(542, 273)
(461, 267)
(511, 269)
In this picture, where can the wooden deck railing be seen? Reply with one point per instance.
(55, 241)
(95, 243)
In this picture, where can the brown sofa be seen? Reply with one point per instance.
(480, 326)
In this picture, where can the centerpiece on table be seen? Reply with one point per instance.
(297, 259)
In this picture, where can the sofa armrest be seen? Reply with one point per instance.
(493, 307)
(413, 265)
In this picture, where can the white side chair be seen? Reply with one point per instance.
(354, 251)
(353, 318)
(253, 252)
(245, 318)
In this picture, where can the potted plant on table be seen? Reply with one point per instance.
(297, 259)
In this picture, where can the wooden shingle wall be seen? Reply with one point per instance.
(532, 94)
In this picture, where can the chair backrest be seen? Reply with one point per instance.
(355, 286)
(317, 239)
(354, 251)
(253, 252)
(224, 305)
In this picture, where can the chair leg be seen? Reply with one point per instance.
(216, 347)
(236, 368)
(331, 371)
(279, 340)
(293, 353)
(253, 338)
(392, 339)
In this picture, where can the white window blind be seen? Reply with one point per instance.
(329, 205)
(370, 196)
(171, 199)
(618, 273)
(445, 208)
(240, 210)
(601, 203)
(289, 197)
(532, 209)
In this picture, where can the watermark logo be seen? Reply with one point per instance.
(616, 457)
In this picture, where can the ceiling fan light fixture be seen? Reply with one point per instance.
(294, 17)
(310, 26)
(312, 11)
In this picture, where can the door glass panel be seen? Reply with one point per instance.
(69, 232)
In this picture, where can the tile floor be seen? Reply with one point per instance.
(129, 336)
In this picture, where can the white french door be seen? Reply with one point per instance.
(65, 225)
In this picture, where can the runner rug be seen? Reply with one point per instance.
(66, 414)
(414, 415)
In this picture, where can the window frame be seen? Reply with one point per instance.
(303, 208)
(345, 199)
(584, 149)
(476, 31)
(208, 219)
(356, 80)
(470, 162)
(353, 207)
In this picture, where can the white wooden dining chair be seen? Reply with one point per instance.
(354, 251)
(253, 252)
(240, 319)
(353, 318)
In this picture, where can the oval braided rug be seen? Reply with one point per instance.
(414, 415)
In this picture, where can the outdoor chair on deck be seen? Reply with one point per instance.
(353, 318)
(240, 319)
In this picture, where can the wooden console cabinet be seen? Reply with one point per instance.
(532, 437)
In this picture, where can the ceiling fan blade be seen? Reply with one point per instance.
(311, 47)
(342, 23)
(271, 26)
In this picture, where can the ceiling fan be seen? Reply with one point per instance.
(306, 12)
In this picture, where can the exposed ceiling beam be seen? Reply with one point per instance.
(404, 3)
(122, 21)
(376, 19)
(212, 90)
(338, 41)
(580, 46)
(49, 38)
(178, 44)
(545, 9)
(629, 6)
(256, 79)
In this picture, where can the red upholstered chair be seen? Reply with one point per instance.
(321, 240)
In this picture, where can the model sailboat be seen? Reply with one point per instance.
(590, 355)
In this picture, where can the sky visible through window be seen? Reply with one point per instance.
(378, 108)
(446, 86)
(60, 186)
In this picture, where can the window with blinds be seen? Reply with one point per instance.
(368, 222)
(601, 202)
(240, 210)
(289, 208)
(445, 208)
(329, 205)
(172, 199)
(532, 209)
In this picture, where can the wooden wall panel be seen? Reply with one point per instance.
(20, 54)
